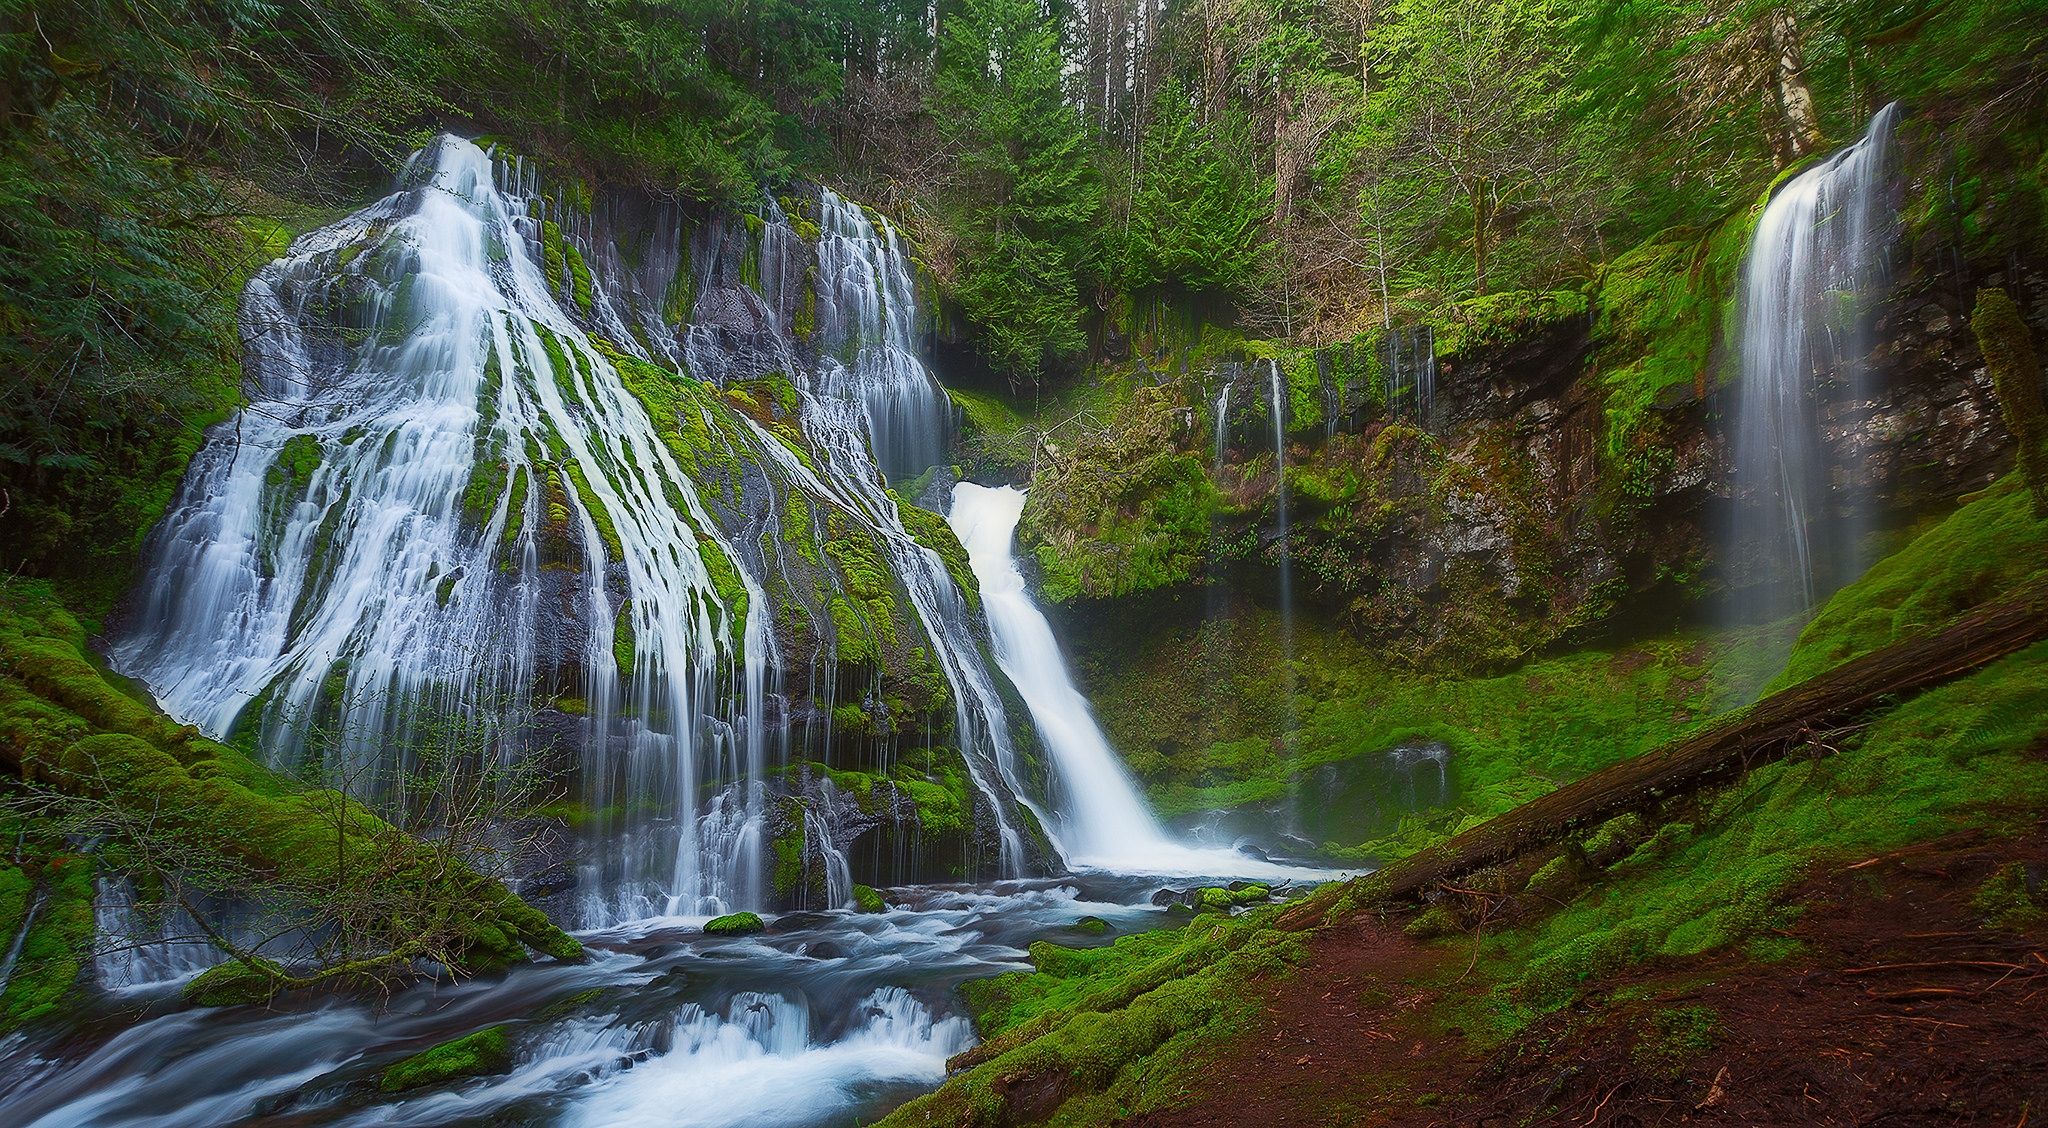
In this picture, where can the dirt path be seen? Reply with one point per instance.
(1899, 1008)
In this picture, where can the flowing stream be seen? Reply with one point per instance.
(827, 1018)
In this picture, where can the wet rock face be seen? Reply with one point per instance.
(1930, 429)
(1513, 523)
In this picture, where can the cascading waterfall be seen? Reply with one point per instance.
(1812, 263)
(867, 319)
(436, 455)
(1100, 820)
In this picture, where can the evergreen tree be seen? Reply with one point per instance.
(1199, 210)
(1028, 194)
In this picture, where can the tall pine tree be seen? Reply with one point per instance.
(1029, 194)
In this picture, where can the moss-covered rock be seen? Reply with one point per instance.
(65, 726)
(481, 1054)
(239, 982)
(2008, 347)
(867, 899)
(734, 924)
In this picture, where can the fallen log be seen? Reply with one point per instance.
(1733, 744)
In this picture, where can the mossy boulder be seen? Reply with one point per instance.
(734, 924)
(867, 899)
(239, 982)
(481, 1054)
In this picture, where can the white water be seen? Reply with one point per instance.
(1100, 819)
(867, 316)
(820, 1024)
(367, 597)
(1811, 264)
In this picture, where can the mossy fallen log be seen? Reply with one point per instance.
(1745, 739)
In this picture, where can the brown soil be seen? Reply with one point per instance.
(1900, 1008)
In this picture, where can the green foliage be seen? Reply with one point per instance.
(867, 899)
(485, 1052)
(1660, 308)
(1120, 510)
(1028, 193)
(1198, 216)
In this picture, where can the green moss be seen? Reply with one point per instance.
(296, 461)
(481, 1054)
(931, 530)
(1661, 306)
(624, 644)
(579, 272)
(734, 924)
(599, 516)
(2008, 347)
(61, 723)
(2003, 900)
(60, 936)
(1093, 1018)
(1984, 549)
(238, 983)
(551, 258)
(1496, 319)
(867, 899)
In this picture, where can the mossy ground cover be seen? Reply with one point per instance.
(203, 805)
(1691, 878)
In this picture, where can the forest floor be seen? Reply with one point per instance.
(1897, 1006)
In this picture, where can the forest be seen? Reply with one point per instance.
(997, 562)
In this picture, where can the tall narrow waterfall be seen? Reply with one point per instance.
(1100, 819)
(1812, 263)
(1284, 550)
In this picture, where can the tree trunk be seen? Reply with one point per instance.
(1732, 745)
(1480, 220)
(1795, 98)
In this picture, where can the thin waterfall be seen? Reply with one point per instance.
(1285, 552)
(1812, 263)
(440, 501)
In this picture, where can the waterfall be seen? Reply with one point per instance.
(1222, 429)
(867, 323)
(1285, 551)
(441, 498)
(137, 952)
(1100, 819)
(1812, 262)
